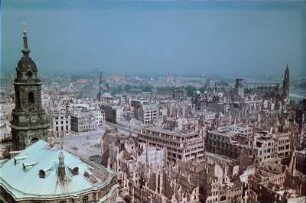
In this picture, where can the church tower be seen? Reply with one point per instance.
(286, 82)
(100, 87)
(29, 122)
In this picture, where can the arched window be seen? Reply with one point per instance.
(29, 74)
(31, 97)
(34, 139)
(94, 196)
(17, 98)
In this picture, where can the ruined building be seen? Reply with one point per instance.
(185, 143)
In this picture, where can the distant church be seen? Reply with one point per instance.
(286, 84)
(29, 122)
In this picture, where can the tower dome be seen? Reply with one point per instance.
(26, 67)
(26, 63)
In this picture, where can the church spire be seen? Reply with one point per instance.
(286, 82)
(25, 49)
(100, 87)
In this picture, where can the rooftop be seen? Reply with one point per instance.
(232, 130)
(21, 175)
(170, 133)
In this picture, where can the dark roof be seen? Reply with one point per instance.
(26, 63)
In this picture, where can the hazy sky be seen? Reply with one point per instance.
(237, 38)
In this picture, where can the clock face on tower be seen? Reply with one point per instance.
(33, 119)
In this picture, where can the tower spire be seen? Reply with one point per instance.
(100, 86)
(286, 82)
(25, 49)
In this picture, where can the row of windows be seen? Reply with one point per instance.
(149, 117)
(283, 147)
(86, 127)
(62, 128)
(161, 141)
(163, 135)
(84, 200)
(195, 143)
(62, 122)
(62, 117)
(175, 155)
(283, 141)
(218, 137)
(195, 148)
(152, 115)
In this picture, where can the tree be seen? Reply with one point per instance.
(190, 90)
(146, 88)
(127, 88)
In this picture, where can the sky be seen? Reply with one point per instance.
(240, 38)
